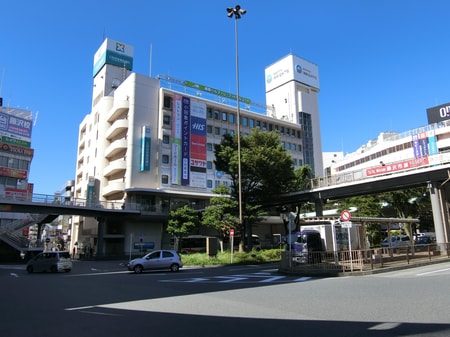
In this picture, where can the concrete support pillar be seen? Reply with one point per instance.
(319, 206)
(100, 241)
(438, 206)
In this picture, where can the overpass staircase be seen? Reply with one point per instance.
(12, 234)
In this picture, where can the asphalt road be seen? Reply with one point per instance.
(103, 299)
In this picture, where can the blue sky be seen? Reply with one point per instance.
(382, 63)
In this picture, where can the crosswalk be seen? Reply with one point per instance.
(242, 278)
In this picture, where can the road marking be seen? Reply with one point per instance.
(302, 279)
(229, 279)
(384, 326)
(433, 272)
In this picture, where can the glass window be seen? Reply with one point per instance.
(166, 139)
(165, 159)
(231, 118)
(209, 165)
(252, 123)
(168, 102)
(209, 128)
(224, 131)
(216, 114)
(209, 183)
(165, 179)
(209, 112)
(224, 116)
(209, 147)
(217, 130)
(244, 121)
(166, 120)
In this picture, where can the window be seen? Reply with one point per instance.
(209, 165)
(164, 179)
(216, 114)
(209, 129)
(166, 139)
(209, 112)
(224, 131)
(224, 116)
(167, 102)
(244, 121)
(209, 147)
(165, 159)
(231, 118)
(217, 130)
(209, 183)
(166, 120)
(252, 123)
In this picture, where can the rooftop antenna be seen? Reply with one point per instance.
(1, 83)
(35, 118)
(151, 52)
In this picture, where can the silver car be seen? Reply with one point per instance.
(156, 260)
(50, 261)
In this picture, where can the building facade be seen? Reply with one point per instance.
(148, 144)
(16, 155)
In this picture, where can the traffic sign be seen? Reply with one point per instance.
(345, 215)
(346, 224)
(231, 232)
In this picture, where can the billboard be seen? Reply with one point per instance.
(291, 68)
(188, 142)
(11, 125)
(438, 113)
(115, 53)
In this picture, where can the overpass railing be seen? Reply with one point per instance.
(361, 174)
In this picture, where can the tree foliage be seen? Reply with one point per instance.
(182, 221)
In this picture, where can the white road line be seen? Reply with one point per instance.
(433, 272)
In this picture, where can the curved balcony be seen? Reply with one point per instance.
(119, 107)
(118, 127)
(114, 186)
(114, 167)
(116, 147)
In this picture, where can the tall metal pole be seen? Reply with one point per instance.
(237, 12)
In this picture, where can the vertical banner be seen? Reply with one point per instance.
(198, 145)
(423, 141)
(185, 140)
(145, 148)
(432, 145)
(176, 140)
(416, 146)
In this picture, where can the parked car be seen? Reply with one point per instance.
(396, 241)
(50, 262)
(156, 260)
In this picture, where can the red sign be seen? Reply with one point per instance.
(345, 216)
(231, 232)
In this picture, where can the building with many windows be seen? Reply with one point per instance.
(148, 143)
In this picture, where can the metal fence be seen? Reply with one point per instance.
(360, 261)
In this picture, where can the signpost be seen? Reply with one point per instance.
(346, 223)
(232, 244)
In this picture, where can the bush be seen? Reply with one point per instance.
(262, 256)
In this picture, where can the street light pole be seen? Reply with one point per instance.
(237, 12)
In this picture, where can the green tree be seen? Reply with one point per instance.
(220, 213)
(267, 171)
(182, 221)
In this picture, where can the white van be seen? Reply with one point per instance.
(50, 262)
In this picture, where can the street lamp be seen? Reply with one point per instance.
(237, 12)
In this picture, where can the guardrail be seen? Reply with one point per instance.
(332, 263)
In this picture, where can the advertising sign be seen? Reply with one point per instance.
(12, 125)
(438, 113)
(292, 68)
(115, 53)
(145, 148)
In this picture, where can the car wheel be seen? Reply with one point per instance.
(138, 269)
(30, 269)
(174, 267)
(53, 269)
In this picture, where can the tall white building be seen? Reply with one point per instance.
(149, 143)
